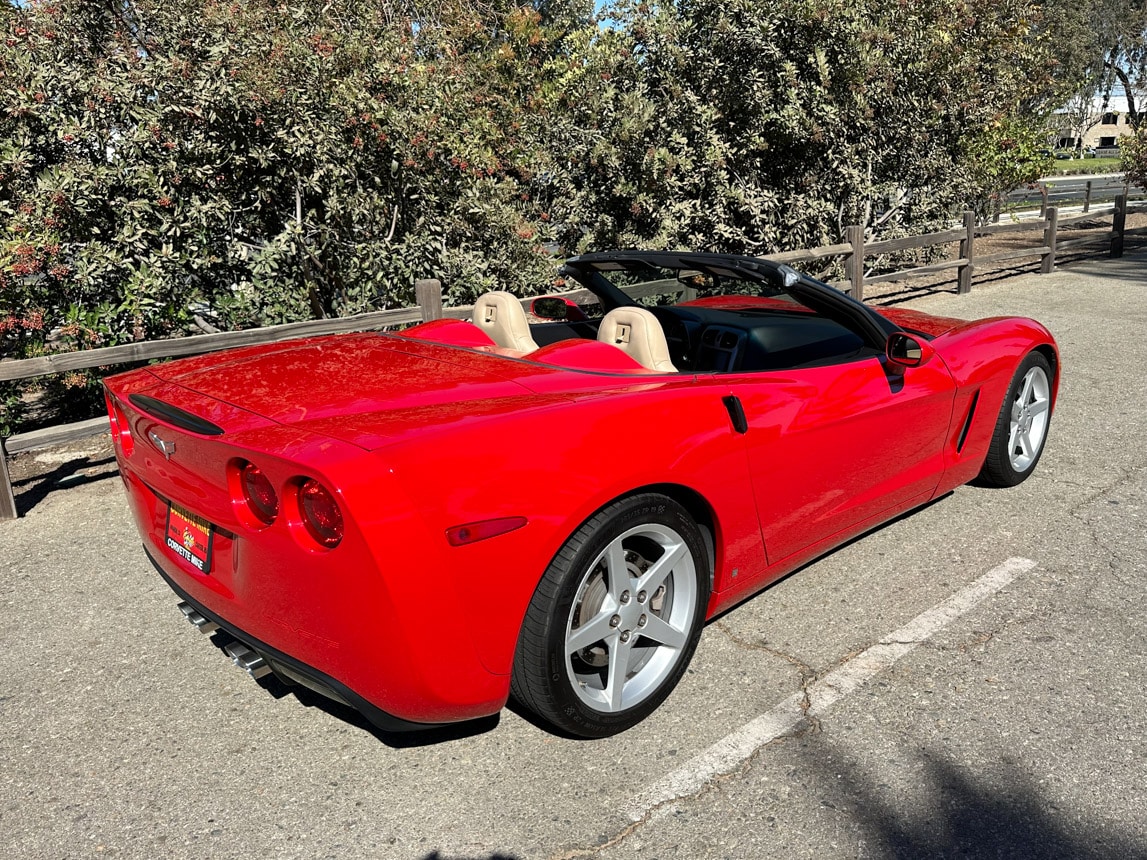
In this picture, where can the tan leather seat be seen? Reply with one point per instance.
(638, 333)
(501, 316)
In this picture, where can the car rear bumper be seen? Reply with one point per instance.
(292, 671)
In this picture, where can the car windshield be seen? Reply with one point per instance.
(665, 285)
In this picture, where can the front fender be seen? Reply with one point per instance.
(983, 357)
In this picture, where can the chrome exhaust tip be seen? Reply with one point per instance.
(202, 624)
(247, 660)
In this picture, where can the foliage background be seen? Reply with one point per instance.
(259, 162)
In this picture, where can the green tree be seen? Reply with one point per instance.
(754, 126)
(1122, 27)
(1133, 152)
(269, 162)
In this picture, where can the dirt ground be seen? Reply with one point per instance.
(893, 292)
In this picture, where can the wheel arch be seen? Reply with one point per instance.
(695, 504)
(1048, 351)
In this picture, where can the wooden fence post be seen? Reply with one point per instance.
(1047, 264)
(428, 294)
(1087, 197)
(1118, 224)
(7, 500)
(854, 236)
(967, 252)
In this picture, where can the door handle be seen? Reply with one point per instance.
(736, 413)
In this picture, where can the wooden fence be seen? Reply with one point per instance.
(428, 295)
(1065, 190)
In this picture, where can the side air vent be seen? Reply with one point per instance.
(175, 416)
(967, 423)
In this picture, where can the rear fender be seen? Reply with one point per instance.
(685, 439)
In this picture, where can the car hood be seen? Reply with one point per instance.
(360, 388)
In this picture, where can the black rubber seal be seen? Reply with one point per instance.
(175, 416)
(377, 717)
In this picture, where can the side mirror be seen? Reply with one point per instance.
(557, 308)
(908, 350)
(692, 279)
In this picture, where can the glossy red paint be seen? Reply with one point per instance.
(416, 435)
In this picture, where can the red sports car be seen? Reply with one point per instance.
(422, 524)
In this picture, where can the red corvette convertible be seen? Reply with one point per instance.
(422, 524)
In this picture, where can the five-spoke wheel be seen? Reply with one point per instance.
(615, 619)
(1022, 425)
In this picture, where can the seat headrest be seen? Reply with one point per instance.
(501, 316)
(637, 332)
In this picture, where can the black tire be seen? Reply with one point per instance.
(576, 593)
(1008, 464)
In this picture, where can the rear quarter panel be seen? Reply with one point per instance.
(557, 466)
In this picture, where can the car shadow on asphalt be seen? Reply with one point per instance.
(32, 490)
(796, 571)
(282, 689)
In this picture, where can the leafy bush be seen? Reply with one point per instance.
(1133, 154)
(263, 163)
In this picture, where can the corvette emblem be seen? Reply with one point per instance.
(188, 538)
(165, 447)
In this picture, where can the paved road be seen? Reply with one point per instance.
(975, 676)
(1072, 189)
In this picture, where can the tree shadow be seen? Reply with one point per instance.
(438, 855)
(969, 817)
(33, 489)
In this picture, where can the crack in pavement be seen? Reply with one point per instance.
(801, 666)
(737, 751)
(809, 676)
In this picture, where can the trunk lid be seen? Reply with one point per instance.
(360, 388)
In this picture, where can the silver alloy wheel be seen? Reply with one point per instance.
(631, 618)
(1030, 413)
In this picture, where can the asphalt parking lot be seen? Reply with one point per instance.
(967, 681)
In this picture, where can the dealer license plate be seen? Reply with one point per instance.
(189, 537)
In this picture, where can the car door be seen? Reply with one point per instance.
(833, 446)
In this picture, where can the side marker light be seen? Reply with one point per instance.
(474, 532)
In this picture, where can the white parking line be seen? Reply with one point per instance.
(728, 753)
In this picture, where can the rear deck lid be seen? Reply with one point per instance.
(361, 388)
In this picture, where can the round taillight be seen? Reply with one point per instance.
(259, 494)
(320, 514)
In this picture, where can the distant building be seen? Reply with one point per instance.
(1093, 125)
